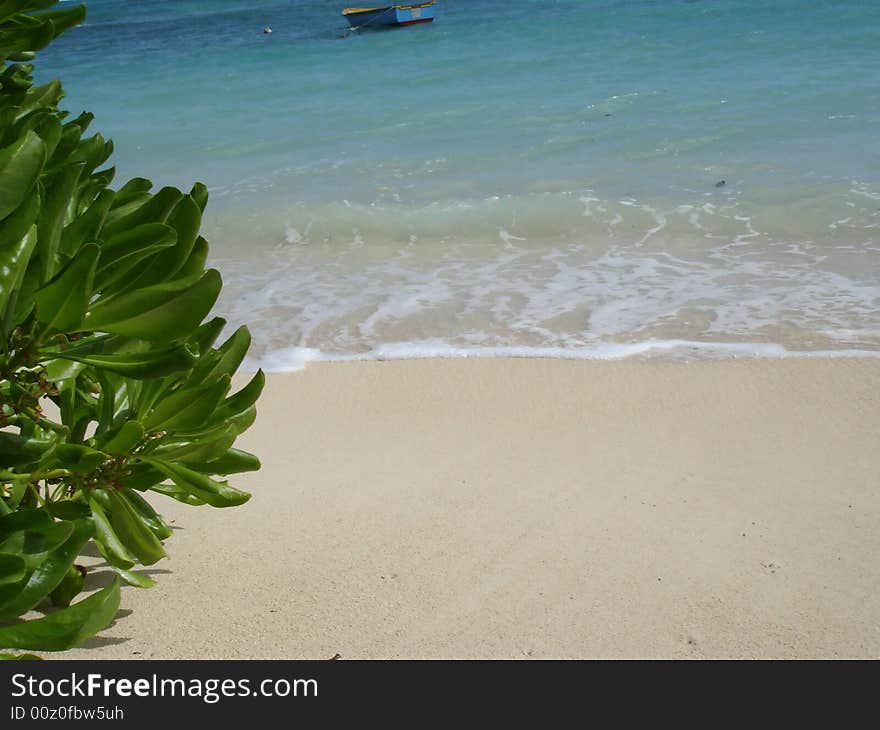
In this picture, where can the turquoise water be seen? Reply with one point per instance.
(516, 177)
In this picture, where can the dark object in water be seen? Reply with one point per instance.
(390, 15)
(267, 29)
(721, 183)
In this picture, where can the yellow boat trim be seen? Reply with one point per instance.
(353, 11)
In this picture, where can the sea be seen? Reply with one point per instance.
(678, 179)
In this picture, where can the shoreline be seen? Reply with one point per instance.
(513, 508)
(287, 360)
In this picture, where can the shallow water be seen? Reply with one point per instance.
(515, 177)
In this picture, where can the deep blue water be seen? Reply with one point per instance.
(515, 174)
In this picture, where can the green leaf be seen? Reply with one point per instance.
(139, 365)
(199, 194)
(46, 96)
(47, 575)
(138, 539)
(155, 209)
(147, 514)
(16, 449)
(106, 539)
(185, 220)
(17, 239)
(125, 439)
(132, 190)
(161, 313)
(28, 37)
(68, 509)
(91, 152)
(65, 18)
(121, 253)
(195, 264)
(20, 165)
(207, 334)
(25, 519)
(32, 545)
(87, 225)
(188, 408)
(68, 589)
(12, 568)
(134, 579)
(223, 361)
(65, 628)
(200, 449)
(51, 221)
(217, 494)
(234, 461)
(245, 398)
(78, 458)
(61, 304)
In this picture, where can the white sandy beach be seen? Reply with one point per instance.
(535, 508)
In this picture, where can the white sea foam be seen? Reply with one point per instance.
(292, 359)
(568, 275)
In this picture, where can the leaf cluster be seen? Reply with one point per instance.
(112, 385)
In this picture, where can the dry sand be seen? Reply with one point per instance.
(536, 508)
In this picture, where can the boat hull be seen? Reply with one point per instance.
(394, 15)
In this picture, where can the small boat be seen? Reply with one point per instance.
(390, 15)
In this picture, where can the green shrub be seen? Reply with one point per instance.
(103, 294)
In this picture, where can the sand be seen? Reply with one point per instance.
(535, 508)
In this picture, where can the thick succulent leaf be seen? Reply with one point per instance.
(224, 360)
(64, 19)
(217, 494)
(47, 575)
(141, 477)
(161, 313)
(51, 221)
(67, 627)
(122, 441)
(138, 539)
(147, 514)
(16, 449)
(132, 190)
(121, 253)
(193, 451)
(26, 37)
(12, 568)
(25, 519)
(68, 589)
(188, 408)
(234, 461)
(68, 509)
(138, 365)
(17, 239)
(155, 209)
(245, 398)
(199, 194)
(32, 545)
(20, 165)
(106, 539)
(138, 580)
(87, 225)
(61, 304)
(78, 458)
(185, 220)
(46, 96)
(176, 493)
(207, 334)
(70, 137)
(198, 257)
